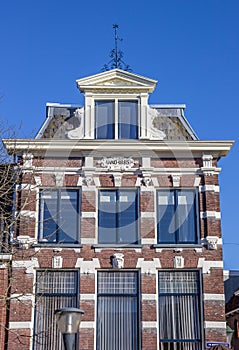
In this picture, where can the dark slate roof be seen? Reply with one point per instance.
(170, 119)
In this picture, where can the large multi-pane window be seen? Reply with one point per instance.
(118, 216)
(177, 215)
(179, 310)
(116, 119)
(54, 290)
(118, 310)
(59, 219)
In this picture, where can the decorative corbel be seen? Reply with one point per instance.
(117, 260)
(211, 242)
(146, 180)
(117, 179)
(27, 160)
(178, 262)
(176, 179)
(25, 242)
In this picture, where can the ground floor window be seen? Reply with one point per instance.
(118, 310)
(54, 290)
(179, 310)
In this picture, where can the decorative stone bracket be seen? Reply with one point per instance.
(211, 242)
(176, 179)
(117, 260)
(25, 242)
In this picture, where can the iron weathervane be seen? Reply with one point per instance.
(116, 55)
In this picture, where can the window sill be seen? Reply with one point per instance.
(177, 246)
(57, 245)
(112, 245)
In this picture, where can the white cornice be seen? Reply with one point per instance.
(57, 147)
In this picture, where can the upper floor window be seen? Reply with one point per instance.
(118, 216)
(59, 219)
(116, 119)
(177, 212)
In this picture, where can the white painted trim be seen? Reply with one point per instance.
(212, 324)
(28, 187)
(148, 240)
(20, 325)
(29, 265)
(88, 297)
(211, 188)
(210, 214)
(22, 297)
(5, 257)
(88, 240)
(28, 213)
(149, 297)
(87, 266)
(88, 214)
(87, 324)
(148, 267)
(207, 265)
(217, 148)
(149, 324)
(208, 296)
(148, 214)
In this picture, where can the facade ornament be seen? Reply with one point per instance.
(207, 160)
(25, 242)
(27, 160)
(117, 261)
(116, 163)
(57, 262)
(178, 262)
(88, 180)
(78, 133)
(211, 242)
(146, 180)
(117, 179)
(59, 178)
(155, 134)
(176, 179)
(207, 168)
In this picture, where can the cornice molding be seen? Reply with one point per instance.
(54, 147)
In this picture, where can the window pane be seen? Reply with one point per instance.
(179, 309)
(166, 217)
(128, 119)
(104, 120)
(186, 216)
(54, 290)
(118, 214)
(68, 225)
(127, 217)
(48, 216)
(59, 216)
(177, 217)
(117, 314)
(107, 217)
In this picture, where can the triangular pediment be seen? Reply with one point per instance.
(116, 79)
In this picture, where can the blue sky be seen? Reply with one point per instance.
(191, 47)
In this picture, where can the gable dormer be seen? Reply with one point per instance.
(116, 108)
(116, 105)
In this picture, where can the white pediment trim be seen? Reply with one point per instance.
(115, 79)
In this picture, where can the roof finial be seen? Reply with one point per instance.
(116, 55)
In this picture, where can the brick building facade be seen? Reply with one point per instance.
(119, 214)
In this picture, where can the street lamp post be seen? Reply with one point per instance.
(68, 321)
